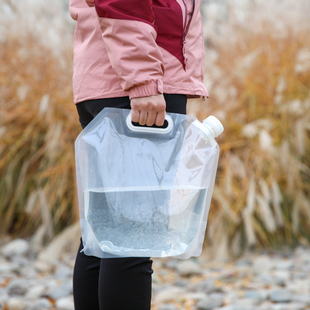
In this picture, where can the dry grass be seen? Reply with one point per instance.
(38, 126)
(259, 81)
(260, 89)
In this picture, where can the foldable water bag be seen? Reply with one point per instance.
(145, 191)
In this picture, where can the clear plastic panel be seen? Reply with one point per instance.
(144, 193)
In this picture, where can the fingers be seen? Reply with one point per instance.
(148, 110)
(143, 117)
(135, 114)
(150, 119)
(160, 118)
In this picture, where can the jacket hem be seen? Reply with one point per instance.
(167, 89)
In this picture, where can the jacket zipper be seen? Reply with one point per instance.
(186, 27)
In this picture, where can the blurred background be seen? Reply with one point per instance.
(257, 71)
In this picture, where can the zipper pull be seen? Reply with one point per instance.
(184, 55)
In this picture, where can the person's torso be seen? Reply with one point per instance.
(179, 36)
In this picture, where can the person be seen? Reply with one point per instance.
(147, 56)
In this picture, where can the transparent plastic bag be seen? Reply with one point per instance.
(145, 191)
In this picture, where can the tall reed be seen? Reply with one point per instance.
(258, 71)
(38, 126)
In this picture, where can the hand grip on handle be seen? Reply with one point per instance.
(149, 129)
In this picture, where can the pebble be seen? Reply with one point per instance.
(243, 263)
(168, 294)
(42, 303)
(36, 291)
(247, 302)
(207, 286)
(262, 264)
(254, 295)
(60, 291)
(63, 272)
(6, 268)
(167, 307)
(42, 266)
(280, 296)
(65, 303)
(285, 306)
(284, 265)
(189, 268)
(210, 303)
(16, 303)
(15, 247)
(253, 282)
(234, 307)
(302, 298)
(18, 287)
(196, 296)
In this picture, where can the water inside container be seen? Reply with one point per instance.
(161, 221)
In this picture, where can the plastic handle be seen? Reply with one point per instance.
(150, 129)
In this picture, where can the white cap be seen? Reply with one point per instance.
(214, 125)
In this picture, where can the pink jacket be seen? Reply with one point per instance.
(137, 48)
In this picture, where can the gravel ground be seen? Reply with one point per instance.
(255, 281)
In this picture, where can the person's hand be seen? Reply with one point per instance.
(148, 110)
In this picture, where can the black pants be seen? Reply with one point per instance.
(114, 283)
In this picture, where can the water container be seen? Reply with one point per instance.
(145, 191)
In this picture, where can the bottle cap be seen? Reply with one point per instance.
(214, 124)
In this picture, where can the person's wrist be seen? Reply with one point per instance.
(152, 88)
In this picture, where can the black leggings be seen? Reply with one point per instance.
(114, 283)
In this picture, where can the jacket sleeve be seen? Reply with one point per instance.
(129, 35)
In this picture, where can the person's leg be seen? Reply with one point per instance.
(87, 268)
(176, 103)
(85, 281)
(125, 283)
(89, 109)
